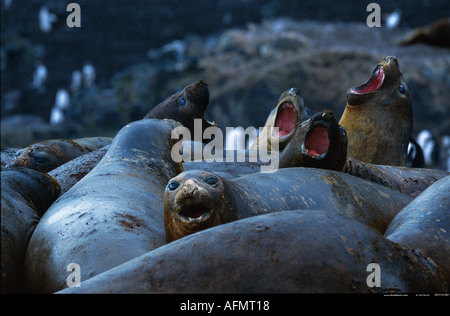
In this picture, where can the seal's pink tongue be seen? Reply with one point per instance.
(286, 119)
(375, 82)
(317, 142)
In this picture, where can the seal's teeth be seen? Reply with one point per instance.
(195, 219)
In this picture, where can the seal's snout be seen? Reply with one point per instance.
(388, 59)
(201, 83)
(294, 91)
(193, 202)
(19, 163)
(198, 92)
(328, 115)
(189, 190)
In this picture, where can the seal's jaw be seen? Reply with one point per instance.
(186, 213)
(192, 202)
(194, 211)
(325, 142)
(289, 111)
(317, 141)
(286, 119)
(373, 84)
(321, 135)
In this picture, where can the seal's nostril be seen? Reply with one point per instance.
(190, 190)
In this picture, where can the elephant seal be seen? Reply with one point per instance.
(406, 180)
(184, 106)
(195, 200)
(26, 195)
(113, 214)
(50, 154)
(436, 34)
(424, 224)
(378, 117)
(296, 251)
(318, 142)
(289, 110)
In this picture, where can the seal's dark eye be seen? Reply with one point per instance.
(39, 159)
(211, 180)
(402, 88)
(182, 101)
(173, 185)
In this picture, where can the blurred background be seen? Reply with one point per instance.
(128, 56)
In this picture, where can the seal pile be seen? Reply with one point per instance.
(342, 198)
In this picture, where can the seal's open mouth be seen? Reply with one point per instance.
(194, 212)
(316, 142)
(286, 119)
(373, 84)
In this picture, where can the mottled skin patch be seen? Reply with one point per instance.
(73, 171)
(406, 180)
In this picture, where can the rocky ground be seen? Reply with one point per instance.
(247, 66)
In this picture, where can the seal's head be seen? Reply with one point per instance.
(38, 157)
(319, 142)
(184, 106)
(325, 142)
(378, 116)
(287, 113)
(289, 110)
(193, 201)
(385, 83)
